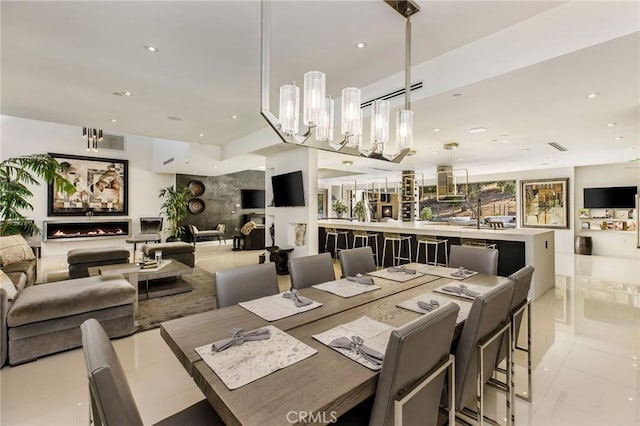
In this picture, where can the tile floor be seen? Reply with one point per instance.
(586, 348)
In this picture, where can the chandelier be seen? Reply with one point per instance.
(92, 136)
(318, 108)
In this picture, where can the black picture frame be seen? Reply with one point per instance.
(102, 187)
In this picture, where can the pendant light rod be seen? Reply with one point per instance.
(407, 65)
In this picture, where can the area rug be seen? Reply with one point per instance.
(202, 298)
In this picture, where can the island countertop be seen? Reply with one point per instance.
(539, 248)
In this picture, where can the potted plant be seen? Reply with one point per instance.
(426, 213)
(174, 207)
(338, 207)
(359, 210)
(16, 174)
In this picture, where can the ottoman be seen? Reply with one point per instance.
(178, 250)
(80, 260)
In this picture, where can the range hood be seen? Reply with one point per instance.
(446, 185)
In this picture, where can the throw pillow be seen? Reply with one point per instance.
(15, 248)
(7, 285)
(221, 227)
(248, 227)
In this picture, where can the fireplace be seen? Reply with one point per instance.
(65, 230)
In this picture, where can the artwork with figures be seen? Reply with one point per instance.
(545, 203)
(101, 187)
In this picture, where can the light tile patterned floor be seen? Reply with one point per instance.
(586, 341)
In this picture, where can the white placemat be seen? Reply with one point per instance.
(345, 288)
(412, 304)
(374, 333)
(480, 289)
(395, 276)
(250, 361)
(444, 272)
(275, 307)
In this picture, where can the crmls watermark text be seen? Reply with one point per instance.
(308, 417)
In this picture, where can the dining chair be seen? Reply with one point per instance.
(356, 261)
(479, 259)
(411, 379)
(112, 402)
(477, 349)
(245, 283)
(309, 270)
(519, 304)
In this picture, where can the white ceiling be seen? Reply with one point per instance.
(61, 62)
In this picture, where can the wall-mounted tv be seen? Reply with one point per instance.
(615, 197)
(252, 198)
(288, 190)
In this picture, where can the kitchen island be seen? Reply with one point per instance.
(518, 247)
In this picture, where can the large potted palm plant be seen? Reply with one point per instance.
(174, 208)
(17, 174)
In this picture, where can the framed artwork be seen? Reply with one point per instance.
(583, 213)
(545, 203)
(586, 225)
(622, 214)
(387, 211)
(101, 187)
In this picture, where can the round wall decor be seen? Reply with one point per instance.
(196, 206)
(196, 187)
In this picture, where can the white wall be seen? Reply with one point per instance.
(607, 243)
(20, 136)
(285, 219)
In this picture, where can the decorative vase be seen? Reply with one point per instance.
(301, 229)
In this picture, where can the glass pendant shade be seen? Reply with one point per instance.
(404, 129)
(356, 140)
(379, 123)
(289, 106)
(314, 95)
(350, 110)
(324, 130)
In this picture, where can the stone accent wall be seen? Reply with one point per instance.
(222, 199)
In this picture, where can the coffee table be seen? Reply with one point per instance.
(171, 269)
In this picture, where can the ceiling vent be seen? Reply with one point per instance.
(557, 146)
(111, 143)
(391, 95)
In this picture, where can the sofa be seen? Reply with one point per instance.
(42, 319)
(80, 260)
(178, 250)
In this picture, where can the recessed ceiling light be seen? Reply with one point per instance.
(478, 130)
(456, 95)
(187, 162)
(127, 93)
(361, 45)
(117, 93)
(152, 48)
(202, 135)
(505, 141)
(619, 138)
(593, 95)
(436, 129)
(174, 118)
(347, 162)
(525, 149)
(611, 124)
(113, 120)
(234, 116)
(545, 164)
(460, 159)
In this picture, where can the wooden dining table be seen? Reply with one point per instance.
(320, 387)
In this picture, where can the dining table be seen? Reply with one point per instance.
(321, 387)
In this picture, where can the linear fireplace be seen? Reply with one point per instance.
(62, 230)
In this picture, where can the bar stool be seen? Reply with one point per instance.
(336, 236)
(366, 239)
(393, 238)
(428, 240)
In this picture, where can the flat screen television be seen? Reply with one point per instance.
(288, 190)
(615, 197)
(252, 198)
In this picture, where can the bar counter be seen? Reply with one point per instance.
(518, 247)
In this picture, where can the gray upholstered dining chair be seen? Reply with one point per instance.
(309, 270)
(356, 261)
(478, 344)
(112, 402)
(412, 376)
(245, 283)
(519, 304)
(479, 259)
